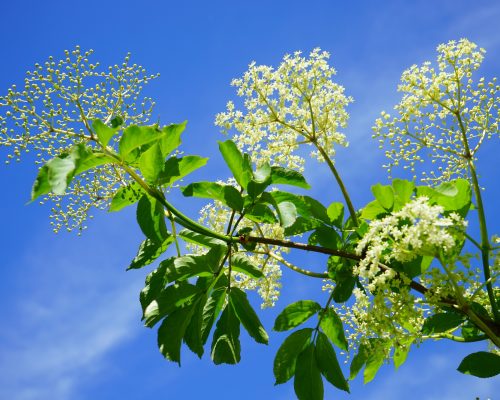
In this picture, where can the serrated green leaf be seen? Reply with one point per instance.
(286, 357)
(452, 196)
(442, 322)
(211, 311)
(287, 213)
(57, 174)
(286, 176)
(384, 195)
(151, 219)
(260, 213)
(151, 162)
(226, 194)
(358, 361)
(238, 164)
(193, 334)
(149, 251)
(247, 316)
(295, 314)
(133, 138)
(308, 384)
(186, 267)
(168, 300)
(177, 168)
(326, 237)
(171, 137)
(373, 210)
(226, 343)
(403, 190)
(373, 364)
(242, 264)
(198, 238)
(126, 196)
(104, 133)
(343, 289)
(335, 212)
(331, 324)
(481, 364)
(401, 352)
(171, 332)
(326, 359)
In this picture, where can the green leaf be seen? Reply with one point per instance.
(331, 324)
(185, 267)
(242, 264)
(308, 384)
(117, 121)
(193, 334)
(261, 180)
(177, 168)
(226, 343)
(226, 194)
(373, 364)
(149, 251)
(335, 212)
(151, 163)
(481, 364)
(287, 213)
(358, 361)
(295, 314)
(401, 352)
(239, 165)
(199, 239)
(326, 237)
(104, 133)
(286, 176)
(442, 322)
(286, 357)
(373, 210)
(133, 138)
(260, 213)
(151, 219)
(168, 300)
(326, 359)
(247, 316)
(452, 196)
(211, 311)
(343, 289)
(126, 196)
(403, 190)
(171, 332)
(171, 137)
(384, 195)
(57, 174)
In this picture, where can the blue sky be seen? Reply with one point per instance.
(71, 318)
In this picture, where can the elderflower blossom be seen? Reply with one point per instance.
(444, 115)
(295, 103)
(418, 229)
(216, 216)
(54, 111)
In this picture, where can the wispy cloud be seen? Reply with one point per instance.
(70, 308)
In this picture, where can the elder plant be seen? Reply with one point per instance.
(402, 269)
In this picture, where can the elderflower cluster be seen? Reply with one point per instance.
(444, 115)
(418, 229)
(53, 111)
(396, 318)
(295, 103)
(216, 216)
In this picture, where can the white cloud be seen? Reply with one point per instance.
(70, 308)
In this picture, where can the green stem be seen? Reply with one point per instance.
(342, 187)
(485, 244)
(456, 338)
